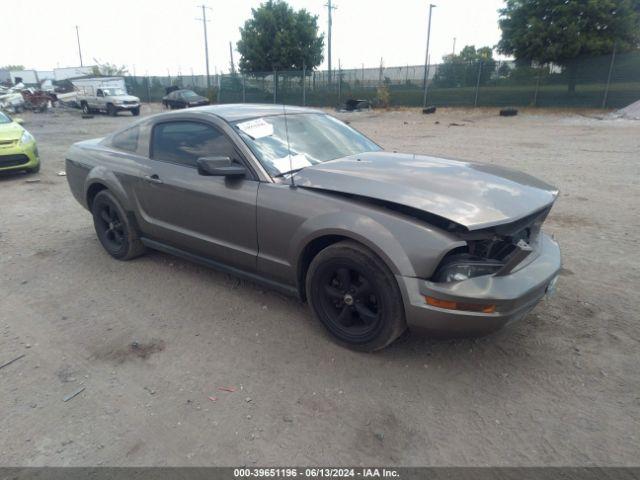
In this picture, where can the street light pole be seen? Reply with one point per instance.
(426, 61)
(79, 49)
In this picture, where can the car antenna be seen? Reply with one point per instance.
(286, 129)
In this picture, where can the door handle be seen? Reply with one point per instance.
(153, 179)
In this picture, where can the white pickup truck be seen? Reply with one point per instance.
(105, 94)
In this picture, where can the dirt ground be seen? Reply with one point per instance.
(153, 340)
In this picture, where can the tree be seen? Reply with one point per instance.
(462, 70)
(108, 69)
(504, 70)
(278, 37)
(13, 67)
(560, 31)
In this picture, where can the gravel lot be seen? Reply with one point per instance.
(560, 388)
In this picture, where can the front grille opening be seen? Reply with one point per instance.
(13, 160)
(495, 249)
(496, 246)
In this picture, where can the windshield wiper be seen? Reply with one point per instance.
(295, 170)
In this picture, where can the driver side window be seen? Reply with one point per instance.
(183, 142)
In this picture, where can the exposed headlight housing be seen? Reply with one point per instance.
(463, 267)
(26, 138)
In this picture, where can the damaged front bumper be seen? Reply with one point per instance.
(508, 298)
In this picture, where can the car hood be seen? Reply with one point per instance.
(10, 131)
(473, 195)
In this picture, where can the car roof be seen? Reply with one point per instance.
(243, 111)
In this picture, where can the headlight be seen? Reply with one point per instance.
(464, 267)
(26, 138)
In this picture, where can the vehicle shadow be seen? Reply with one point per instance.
(508, 344)
(413, 347)
(16, 176)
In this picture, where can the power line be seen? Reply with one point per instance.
(206, 41)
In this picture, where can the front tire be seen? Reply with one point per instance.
(355, 296)
(111, 110)
(135, 111)
(113, 228)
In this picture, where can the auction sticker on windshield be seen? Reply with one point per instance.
(257, 128)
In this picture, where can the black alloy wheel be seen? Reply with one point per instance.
(349, 301)
(113, 228)
(355, 296)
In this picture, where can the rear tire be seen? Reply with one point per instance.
(355, 296)
(113, 228)
(85, 108)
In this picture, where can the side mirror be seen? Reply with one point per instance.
(220, 167)
(19, 121)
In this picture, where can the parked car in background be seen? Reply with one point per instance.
(184, 99)
(18, 150)
(375, 241)
(105, 94)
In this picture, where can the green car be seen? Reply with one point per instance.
(18, 150)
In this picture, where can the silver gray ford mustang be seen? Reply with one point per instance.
(375, 241)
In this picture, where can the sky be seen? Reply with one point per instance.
(156, 37)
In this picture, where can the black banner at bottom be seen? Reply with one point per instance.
(392, 473)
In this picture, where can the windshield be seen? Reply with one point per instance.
(313, 138)
(189, 94)
(114, 91)
(4, 118)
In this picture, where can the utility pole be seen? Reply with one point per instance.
(613, 61)
(454, 46)
(339, 82)
(79, 49)
(426, 61)
(206, 41)
(233, 68)
(329, 10)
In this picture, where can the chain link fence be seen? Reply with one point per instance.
(611, 81)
